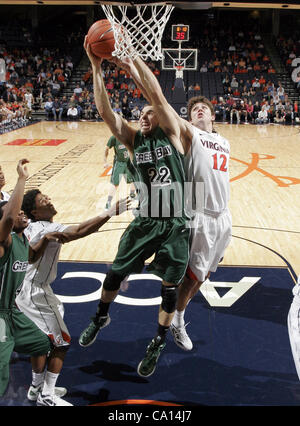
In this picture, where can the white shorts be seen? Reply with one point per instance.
(293, 321)
(42, 306)
(210, 236)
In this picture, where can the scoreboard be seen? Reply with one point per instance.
(180, 32)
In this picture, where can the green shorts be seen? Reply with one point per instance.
(120, 168)
(167, 239)
(18, 333)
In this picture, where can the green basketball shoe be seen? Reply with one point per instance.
(89, 335)
(147, 366)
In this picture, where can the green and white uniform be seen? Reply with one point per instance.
(121, 159)
(160, 227)
(17, 332)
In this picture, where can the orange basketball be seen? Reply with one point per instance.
(101, 39)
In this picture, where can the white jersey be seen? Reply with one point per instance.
(208, 161)
(44, 270)
(36, 298)
(4, 196)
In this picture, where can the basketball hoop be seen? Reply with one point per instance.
(138, 28)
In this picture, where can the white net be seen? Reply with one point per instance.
(138, 31)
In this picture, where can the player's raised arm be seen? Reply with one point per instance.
(118, 126)
(13, 207)
(175, 127)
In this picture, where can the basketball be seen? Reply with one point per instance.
(101, 39)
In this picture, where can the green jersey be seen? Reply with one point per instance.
(158, 171)
(121, 153)
(13, 267)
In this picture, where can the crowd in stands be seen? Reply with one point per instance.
(255, 101)
(126, 99)
(31, 76)
(36, 77)
(289, 50)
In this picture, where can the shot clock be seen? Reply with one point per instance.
(180, 32)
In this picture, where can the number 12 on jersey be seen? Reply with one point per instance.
(220, 162)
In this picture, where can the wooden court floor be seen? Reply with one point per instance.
(66, 163)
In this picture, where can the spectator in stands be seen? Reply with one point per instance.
(289, 112)
(256, 84)
(125, 107)
(72, 113)
(204, 67)
(135, 113)
(249, 109)
(57, 108)
(48, 107)
(81, 106)
(276, 98)
(116, 108)
(234, 83)
(262, 117)
(280, 91)
(28, 99)
(64, 105)
(279, 113)
(243, 111)
(271, 111)
(271, 69)
(256, 110)
(220, 110)
(90, 109)
(235, 109)
(6, 112)
(77, 91)
(226, 82)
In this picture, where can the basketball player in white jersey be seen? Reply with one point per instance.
(207, 162)
(4, 196)
(36, 298)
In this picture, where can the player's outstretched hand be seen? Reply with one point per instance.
(120, 207)
(95, 61)
(22, 169)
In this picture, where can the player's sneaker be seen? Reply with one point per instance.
(88, 336)
(34, 391)
(51, 401)
(107, 206)
(147, 366)
(181, 337)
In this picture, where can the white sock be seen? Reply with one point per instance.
(49, 383)
(37, 378)
(178, 319)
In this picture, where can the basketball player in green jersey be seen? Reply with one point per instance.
(17, 332)
(159, 229)
(206, 203)
(119, 169)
